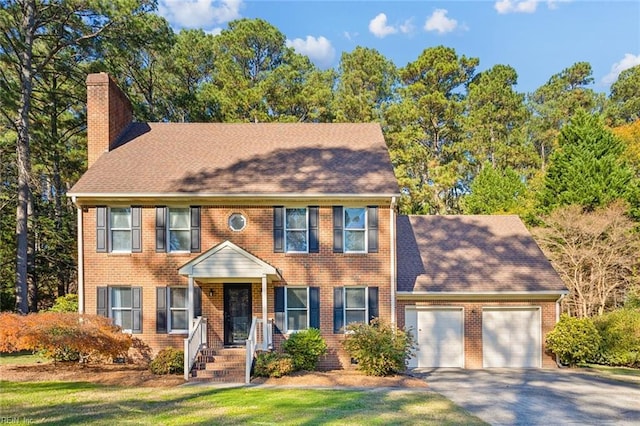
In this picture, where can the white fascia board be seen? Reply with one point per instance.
(457, 295)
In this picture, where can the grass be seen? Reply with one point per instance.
(22, 358)
(615, 371)
(89, 404)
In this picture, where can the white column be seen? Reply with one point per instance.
(265, 323)
(190, 303)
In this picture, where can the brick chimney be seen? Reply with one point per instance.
(109, 112)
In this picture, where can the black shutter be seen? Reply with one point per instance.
(278, 229)
(161, 229)
(338, 311)
(197, 301)
(161, 309)
(337, 229)
(195, 229)
(101, 229)
(136, 309)
(279, 309)
(373, 303)
(136, 230)
(314, 243)
(372, 227)
(314, 307)
(102, 302)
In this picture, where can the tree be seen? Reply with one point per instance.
(495, 191)
(624, 100)
(595, 253)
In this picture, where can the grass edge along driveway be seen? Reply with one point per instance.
(86, 404)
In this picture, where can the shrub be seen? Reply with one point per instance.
(305, 348)
(272, 364)
(379, 349)
(168, 361)
(68, 303)
(574, 340)
(620, 338)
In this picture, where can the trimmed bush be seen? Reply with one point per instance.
(168, 361)
(574, 340)
(305, 348)
(272, 364)
(378, 348)
(620, 338)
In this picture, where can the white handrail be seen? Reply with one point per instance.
(256, 339)
(197, 340)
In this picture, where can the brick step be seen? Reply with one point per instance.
(225, 375)
(225, 365)
(234, 379)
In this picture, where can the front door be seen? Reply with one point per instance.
(237, 313)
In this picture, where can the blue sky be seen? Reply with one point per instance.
(537, 38)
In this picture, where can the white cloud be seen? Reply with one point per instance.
(350, 36)
(379, 28)
(523, 6)
(627, 62)
(199, 13)
(439, 22)
(319, 50)
(407, 27)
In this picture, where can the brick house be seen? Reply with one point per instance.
(220, 235)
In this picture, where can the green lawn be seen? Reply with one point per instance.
(607, 371)
(21, 358)
(88, 404)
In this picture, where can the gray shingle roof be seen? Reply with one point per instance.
(471, 254)
(260, 158)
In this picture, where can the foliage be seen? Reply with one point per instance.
(620, 334)
(68, 303)
(624, 100)
(495, 191)
(168, 361)
(305, 348)
(272, 364)
(596, 255)
(574, 340)
(379, 348)
(63, 336)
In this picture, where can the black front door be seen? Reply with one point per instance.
(237, 313)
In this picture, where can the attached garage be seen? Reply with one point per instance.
(511, 337)
(439, 336)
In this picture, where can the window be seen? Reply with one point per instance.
(355, 230)
(123, 304)
(178, 311)
(179, 229)
(120, 229)
(353, 305)
(237, 222)
(297, 308)
(296, 235)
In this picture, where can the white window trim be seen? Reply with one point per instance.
(286, 308)
(111, 308)
(365, 230)
(345, 309)
(169, 229)
(306, 229)
(170, 329)
(112, 228)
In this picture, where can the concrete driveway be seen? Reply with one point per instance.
(531, 396)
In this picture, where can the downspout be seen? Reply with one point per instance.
(392, 261)
(562, 296)
(80, 262)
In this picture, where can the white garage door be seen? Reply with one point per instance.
(439, 337)
(511, 337)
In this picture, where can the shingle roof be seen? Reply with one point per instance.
(471, 254)
(256, 158)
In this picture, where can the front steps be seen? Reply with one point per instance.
(220, 365)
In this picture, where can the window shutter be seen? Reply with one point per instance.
(101, 229)
(161, 229)
(278, 229)
(102, 302)
(337, 229)
(195, 229)
(197, 301)
(373, 303)
(279, 309)
(161, 309)
(136, 230)
(314, 307)
(314, 243)
(372, 227)
(338, 311)
(136, 309)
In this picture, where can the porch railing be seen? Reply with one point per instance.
(256, 339)
(197, 340)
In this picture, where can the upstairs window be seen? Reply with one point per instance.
(296, 231)
(120, 229)
(179, 230)
(355, 230)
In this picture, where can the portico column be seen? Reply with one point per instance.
(190, 303)
(265, 324)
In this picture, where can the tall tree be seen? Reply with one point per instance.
(624, 101)
(495, 191)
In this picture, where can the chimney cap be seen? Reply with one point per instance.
(95, 78)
